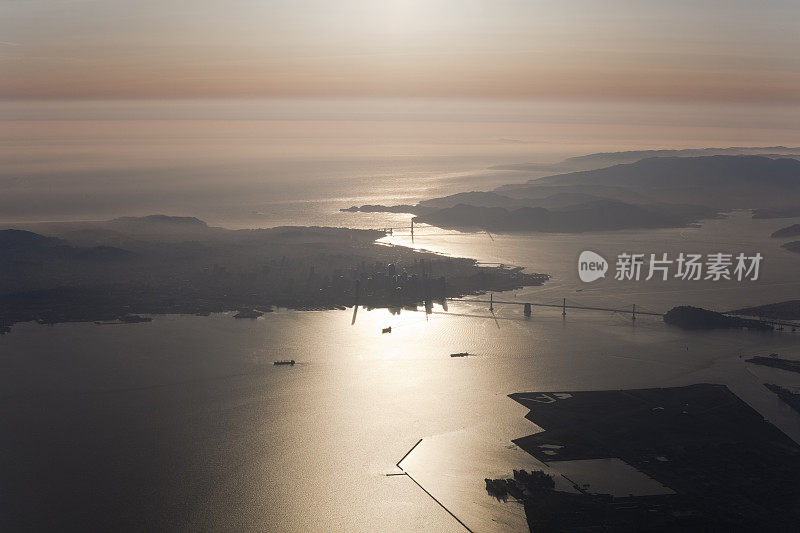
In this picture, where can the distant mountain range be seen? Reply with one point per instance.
(722, 181)
(650, 193)
(674, 189)
(605, 159)
(21, 247)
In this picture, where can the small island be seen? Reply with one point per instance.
(697, 318)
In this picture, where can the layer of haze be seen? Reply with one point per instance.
(268, 162)
(712, 50)
(229, 110)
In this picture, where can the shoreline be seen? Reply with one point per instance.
(503, 282)
(175, 265)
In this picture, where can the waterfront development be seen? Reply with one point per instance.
(683, 443)
(112, 270)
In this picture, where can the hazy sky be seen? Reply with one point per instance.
(679, 50)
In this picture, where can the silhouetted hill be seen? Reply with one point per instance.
(27, 247)
(602, 159)
(724, 182)
(606, 159)
(161, 225)
(126, 232)
(688, 317)
(648, 193)
(159, 221)
(666, 172)
(493, 199)
(481, 198)
(14, 239)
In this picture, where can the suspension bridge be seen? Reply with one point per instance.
(527, 306)
(563, 306)
(633, 310)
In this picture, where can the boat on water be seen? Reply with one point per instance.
(284, 362)
(387, 330)
(459, 354)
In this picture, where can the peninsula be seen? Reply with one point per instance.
(651, 192)
(112, 270)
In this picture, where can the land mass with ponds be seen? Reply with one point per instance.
(113, 271)
(721, 466)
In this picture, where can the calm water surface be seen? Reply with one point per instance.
(185, 423)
